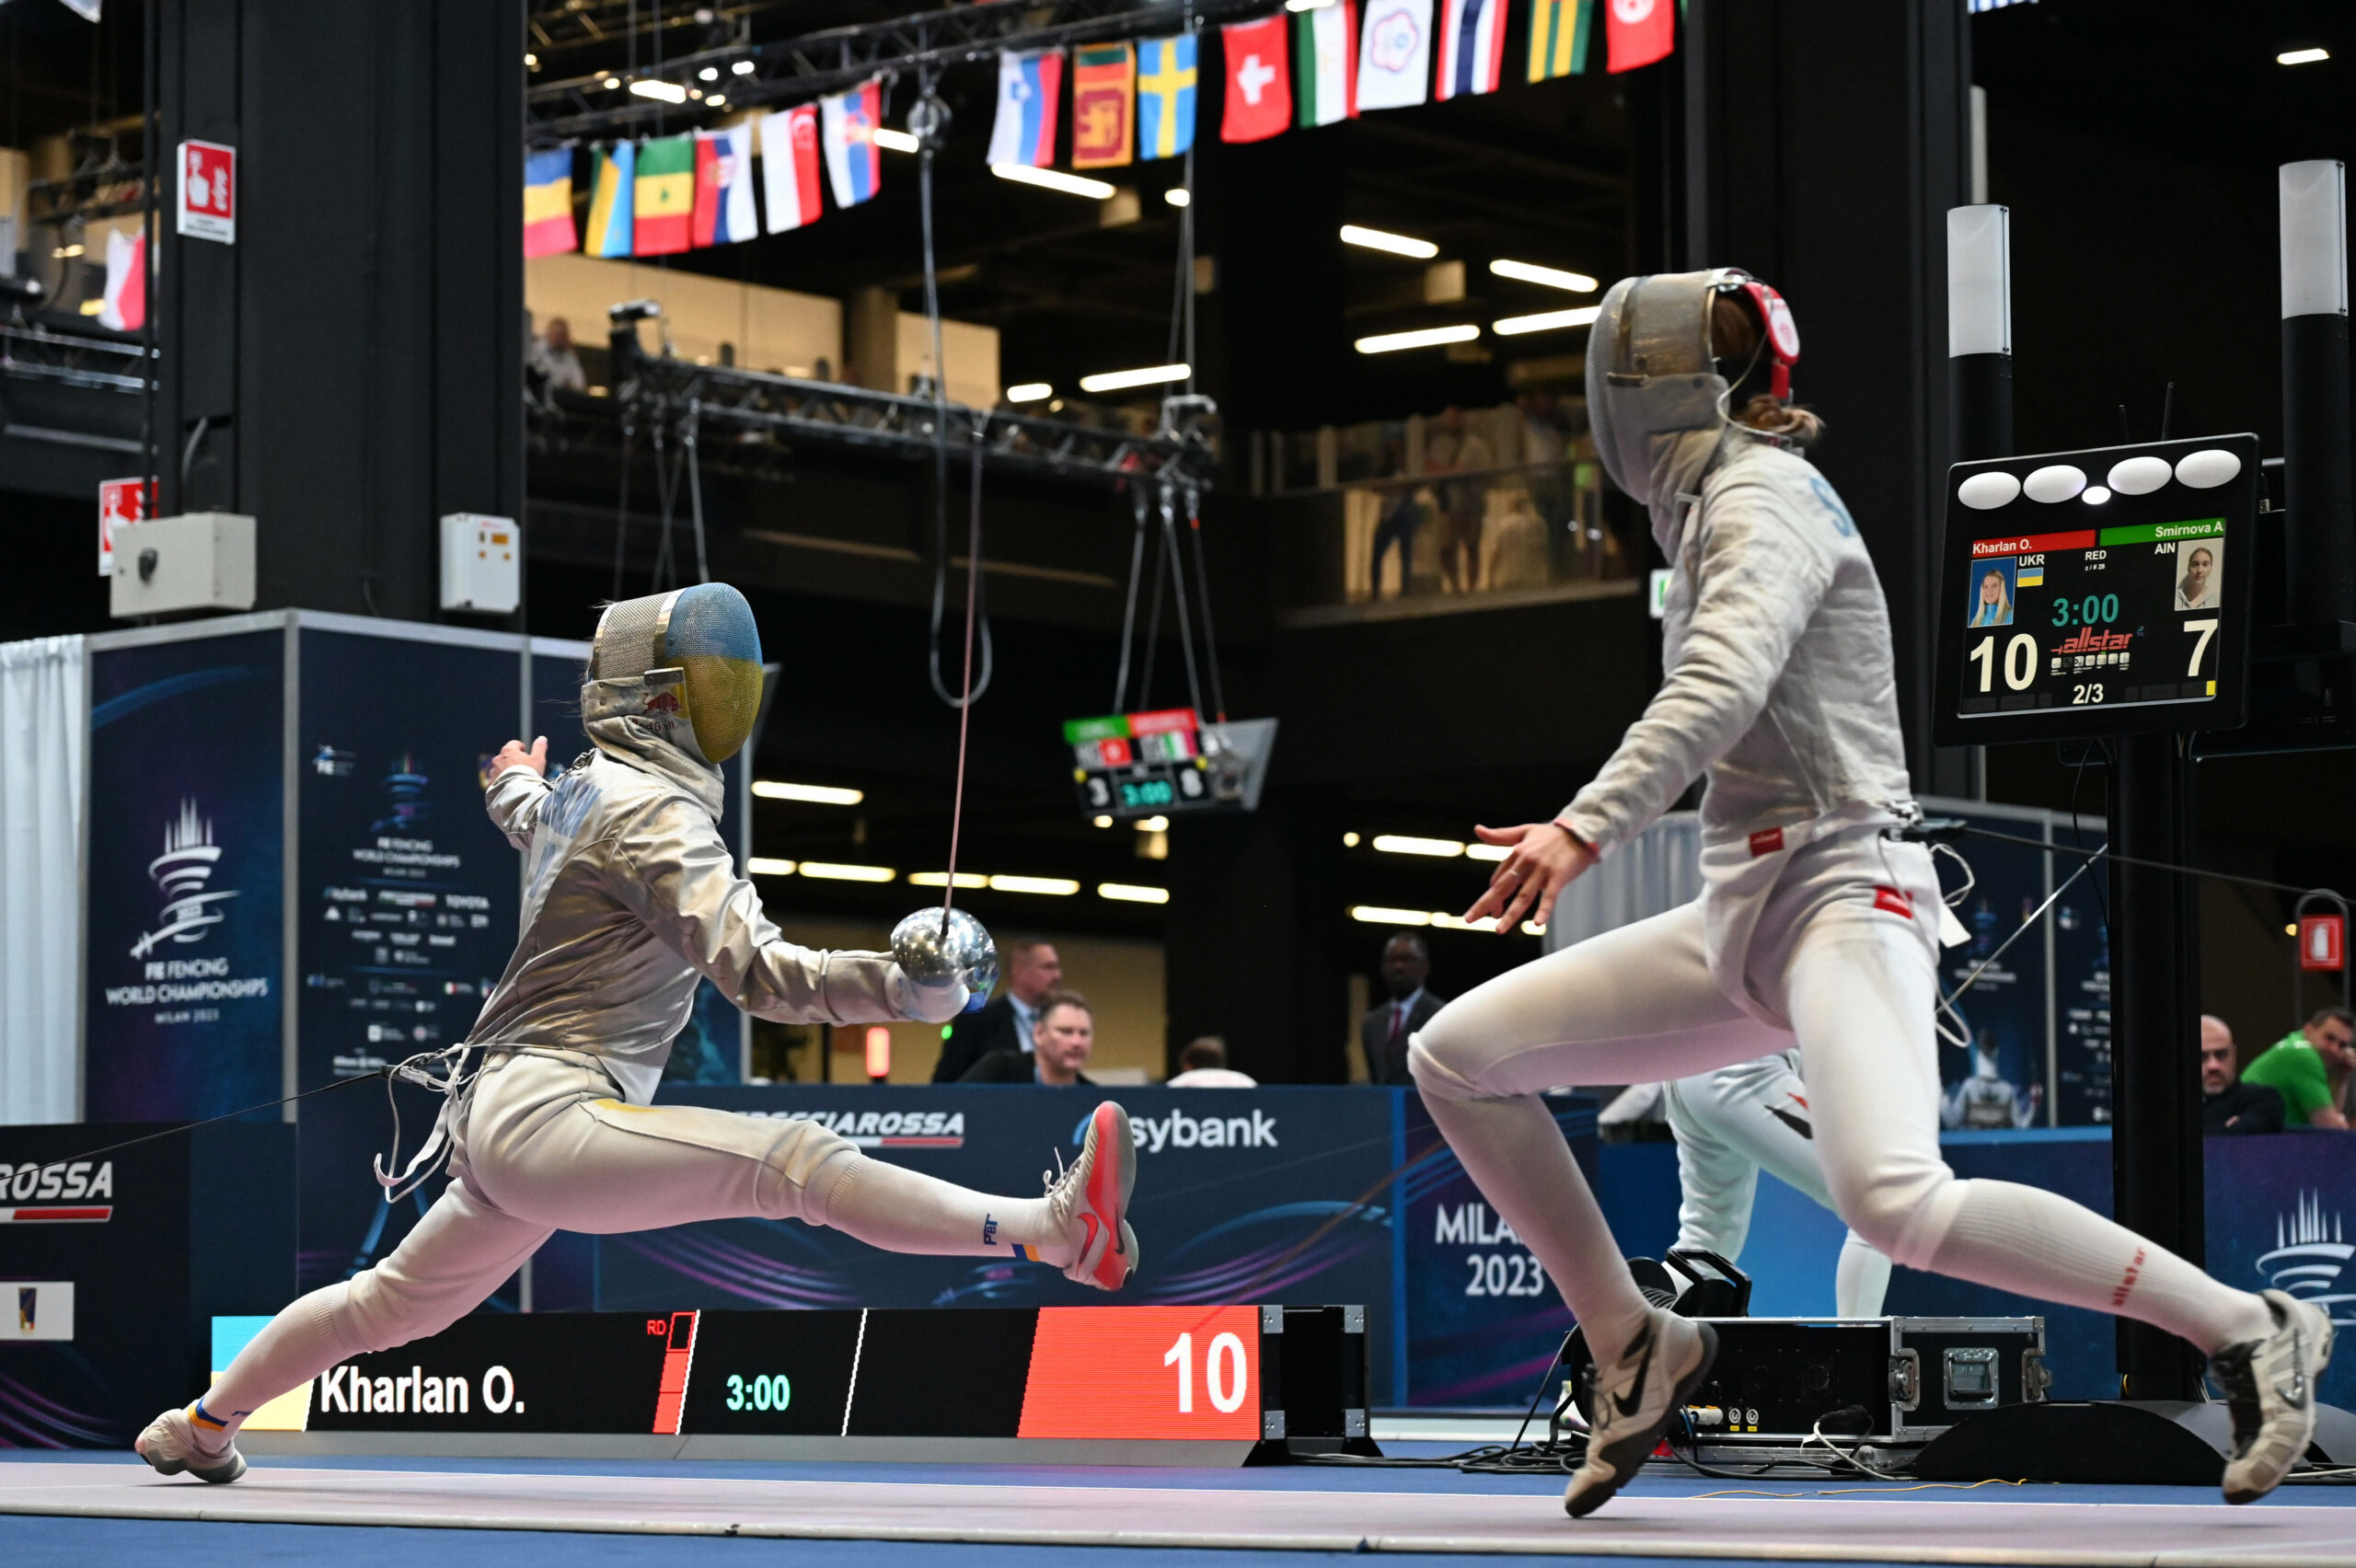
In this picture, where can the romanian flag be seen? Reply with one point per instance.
(611, 189)
(666, 196)
(1103, 105)
(1165, 96)
(547, 203)
(1559, 30)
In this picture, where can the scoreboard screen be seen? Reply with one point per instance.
(2097, 593)
(1165, 762)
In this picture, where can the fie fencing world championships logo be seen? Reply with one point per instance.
(183, 874)
(2310, 1258)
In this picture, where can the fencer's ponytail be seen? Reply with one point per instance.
(1735, 338)
(1766, 412)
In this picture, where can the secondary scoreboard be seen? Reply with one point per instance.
(2097, 593)
(1168, 761)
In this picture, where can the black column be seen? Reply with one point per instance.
(2155, 1147)
(2321, 525)
(352, 368)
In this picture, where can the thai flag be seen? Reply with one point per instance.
(847, 123)
(1471, 46)
(1029, 86)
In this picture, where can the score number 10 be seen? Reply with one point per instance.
(1225, 1378)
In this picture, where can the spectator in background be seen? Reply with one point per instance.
(1454, 447)
(1064, 1036)
(1011, 1021)
(2227, 1106)
(1203, 1065)
(554, 358)
(1406, 964)
(2299, 1069)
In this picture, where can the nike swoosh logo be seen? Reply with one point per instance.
(1797, 1124)
(1628, 1407)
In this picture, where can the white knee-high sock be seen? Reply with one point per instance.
(302, 1342)
(1861, 1280)
(905, 1211)
(2038, 1243)
(1515, 1155)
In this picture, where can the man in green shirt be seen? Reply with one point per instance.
(2299, 1066)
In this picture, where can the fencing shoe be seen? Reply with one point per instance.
(171, 1445)
(1089, 1203)
(2270, 1385)
(1633, 1398)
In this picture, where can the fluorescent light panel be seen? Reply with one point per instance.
(1408, 843)
(941, 879)
(1054, 887)
(896, 141)
(1429, 337)
(1153, 824)
(1553, 277)
(1055, 179)
(1150, 375)
(654, 88)
(817, 794)
(831, 872)
(1177, 196)
(1378, 915)
(1130, 893)
(1578, 316)
(2302, 56)
(763, 867)
(1396, 243)
(1029, 392)
(743, 68)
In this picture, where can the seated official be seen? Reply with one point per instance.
(1010, 1019)
(2299, 1069)
(2228, 1105)
(1060, 1045)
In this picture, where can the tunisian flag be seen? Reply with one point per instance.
(1639, 32)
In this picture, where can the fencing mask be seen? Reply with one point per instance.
(700, 653)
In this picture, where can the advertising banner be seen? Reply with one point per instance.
(1998, 1080)
(185, 954)
(2081, 985)
(2280, 1213)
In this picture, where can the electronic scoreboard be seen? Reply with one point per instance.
(2097, 593)
(1168, 762)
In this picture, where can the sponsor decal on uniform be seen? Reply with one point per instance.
(1766, 841)
(61, 1192)
(1892, 901)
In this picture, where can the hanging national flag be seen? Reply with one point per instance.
(723, 213)
(1325, 62)
(125, 308)
(1028, 88)
(790, 167)
(847, 123)
(1558, 37)
(1103, 113)
(1395, 54)
(1258, 100)
(1639, 32)
(1471, 46)
(1165, 96)
(665, 195)
(613, 189)
(547, 203)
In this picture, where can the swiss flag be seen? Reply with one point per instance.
(1639, 32)
(1259, 80)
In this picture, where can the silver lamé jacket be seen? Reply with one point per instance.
(632, 894)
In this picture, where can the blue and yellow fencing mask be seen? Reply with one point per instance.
(706, 634)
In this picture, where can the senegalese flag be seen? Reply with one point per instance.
(547, 203)
(666, 195)
(611, 187)
(1103, 105)
(1559, 30)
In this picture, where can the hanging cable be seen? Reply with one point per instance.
(1178, 585)
(965, 703)
(695, 488)
(666, 497)
(1203, 579)
(928, 122)
(621, 512)
(1152, 627)
(1129, 610)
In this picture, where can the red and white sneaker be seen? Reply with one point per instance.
(172, 1443)
(1090, 1202)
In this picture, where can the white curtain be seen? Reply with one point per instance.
(1655, 871)
(44, 725)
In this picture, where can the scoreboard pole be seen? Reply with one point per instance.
(2155, 1142)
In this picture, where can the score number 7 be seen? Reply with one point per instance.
(2207, 628)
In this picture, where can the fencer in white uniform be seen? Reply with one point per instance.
(631, 900)
(1735, 1122)
(1815, 926)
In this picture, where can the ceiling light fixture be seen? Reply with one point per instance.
(1553, 277)
(716, 100)
(1307, 5)
(1408, 843)
(761, 866)
(1150, 375)
(1577, 316)
(1029, 392)
(654, 88)
(1376, 915)
(830, 872)
(817, 794)
(743, 68)
(2302, 56)
(941, 879)
(610, 82)
(531, 62)
(1055, 179)
(1178, 196)
(1429, 337)
(1131, 893)
(708, 73)
(1151, 825)
(1396, 243)
(1102, 821)
(1485, 851)
(1349, 841)
(1054, 887)
(897, 141)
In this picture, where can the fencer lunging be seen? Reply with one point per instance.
(632, 898)
(1735, 1122)
(1812, 922)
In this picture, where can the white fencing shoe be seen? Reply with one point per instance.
(1633, 1398)
(2270, 1385)
(171, 1445)
(1090, 1202)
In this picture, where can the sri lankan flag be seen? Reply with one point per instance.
(547, 203)
(1559, 32)
(666, 195)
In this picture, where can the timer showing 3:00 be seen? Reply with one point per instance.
(768, 1393)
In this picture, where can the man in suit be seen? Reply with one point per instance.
(1065, 1035)
(1010, 1019)
(1406, 964)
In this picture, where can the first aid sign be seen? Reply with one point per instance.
(208, 191)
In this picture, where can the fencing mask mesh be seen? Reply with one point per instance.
(707, 632)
